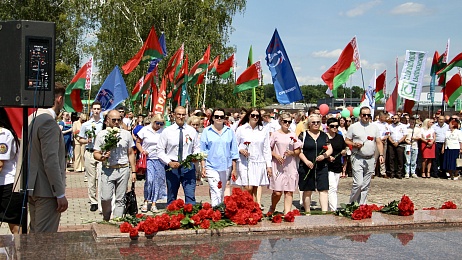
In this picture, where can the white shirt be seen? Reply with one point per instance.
(427, 134)
(9, 156)
(453, 139)
(383, 127)
(167, 146)
(440, 132)
(397, 131)
(293, 126)
(150, 138)
(416, 134)
(272, 125)
(119, 155)
(259, 147)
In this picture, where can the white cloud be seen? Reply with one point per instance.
(379, 66)
(327, 54)
(362, 8)
(309, 80)
(408, 8)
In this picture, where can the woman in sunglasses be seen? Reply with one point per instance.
(285, 149)
(218, 141)
(155, 187)
(312, 170)
(255, 153)
(335, 165)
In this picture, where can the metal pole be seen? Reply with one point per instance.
(25, 167)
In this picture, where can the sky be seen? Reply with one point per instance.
(315, 32)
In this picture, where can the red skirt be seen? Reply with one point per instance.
(428, 152)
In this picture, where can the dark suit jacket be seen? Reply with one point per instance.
(47, 168)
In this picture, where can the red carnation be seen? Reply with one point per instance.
(174, 223)
(289, 217)
(405, 206)
(233, 177)
(219, 185)
(216, 215)
(140, 226)
(196, 219)
(205, 224)
(125, 227)
(277, 218)
(325, 147)
(134, 232)
(188, 208)
(431, 208)
(180, 203)
(449, 205)
(247, 143)
(139, 215)
(180, 216)
(206, 205)
(370, 138)
(293, 139)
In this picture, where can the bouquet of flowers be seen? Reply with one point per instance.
(187, 163)
(111, 139)
(356, 211)
(404, 207)
(90, 133)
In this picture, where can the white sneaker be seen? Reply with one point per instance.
(154, 209)
(414, 175)
(406, 176)
(455, 178)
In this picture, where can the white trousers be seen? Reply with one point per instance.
(334, 178)
(217, 194)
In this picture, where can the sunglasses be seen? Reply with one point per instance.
(116, 120)
(348, 120)
(333, 126)
(160, 123)
(255, 115)
(366, 115)
(315, 122)
(195, 124)
(286, 121)
(219, 116)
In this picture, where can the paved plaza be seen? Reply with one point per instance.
(423, 192)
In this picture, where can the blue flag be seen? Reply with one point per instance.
(284, 80)
(113, 91)
(154, 62)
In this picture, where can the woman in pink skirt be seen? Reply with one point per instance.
(427, 147)
(285, 149)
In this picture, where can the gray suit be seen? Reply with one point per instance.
(47, 171)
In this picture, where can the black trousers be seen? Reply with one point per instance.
(396, 159)
(438, 161)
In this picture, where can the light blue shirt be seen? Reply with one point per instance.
(98, 125)
(440, 132)
(220, 149)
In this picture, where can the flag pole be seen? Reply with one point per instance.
(205, 86)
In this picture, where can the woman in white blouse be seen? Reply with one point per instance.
(155, 187)
(452, 148)
(254, 166)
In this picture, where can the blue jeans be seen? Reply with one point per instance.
(187, 180)
(411, 161)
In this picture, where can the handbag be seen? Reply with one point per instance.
(131, 206)
(141, 164)
(459, 162)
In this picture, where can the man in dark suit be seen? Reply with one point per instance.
(47, 167)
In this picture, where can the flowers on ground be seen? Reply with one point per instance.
(404, 207)
(356, 211)
(241, 209)
(447, 205)
(278, 217)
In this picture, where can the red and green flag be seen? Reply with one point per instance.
(380, 85)
(249, 79)
(456, 62)
(225, 69)
(159, 103)
(174, 63)
(212, 67)
(181, 78)
(453, 89)
(199, 67)
(151, 50)
(392, 102)
(347, 64)
(81, 81)
(143, 85)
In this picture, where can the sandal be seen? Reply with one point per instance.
(144, 208)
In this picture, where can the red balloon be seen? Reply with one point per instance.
(324, 109)
(350, 108)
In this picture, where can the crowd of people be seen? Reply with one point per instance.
(302, 152)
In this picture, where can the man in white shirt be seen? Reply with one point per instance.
(271, 124)
(440, 136)
(175, 144)
(396, 145)
(384, 132)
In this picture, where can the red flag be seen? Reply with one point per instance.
(199, 67)
(213, 66)
(15, 116)
(151, 49)
(390, 106)
(408, 105)
(159, 103)
(453, 89)
(173, 63)
(224, 69)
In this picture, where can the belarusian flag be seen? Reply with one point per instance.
(347, 64)
(437, 65)
(212, 67)
(142, 86)
(392, 101)
(173, 63)
(453, 89)
(249, 79)
(81, 81)
(151, 50)
(181, 78)
(380, 85)
(199, 67)
(160, 101)
(225, 69)
(456, 62)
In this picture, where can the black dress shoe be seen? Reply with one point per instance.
(94, 207)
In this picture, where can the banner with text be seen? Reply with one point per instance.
(410, 82)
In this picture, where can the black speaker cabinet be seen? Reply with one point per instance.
(27, 67)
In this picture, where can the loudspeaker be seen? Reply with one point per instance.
(27, 67)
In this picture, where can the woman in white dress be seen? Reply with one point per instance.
(253, 141)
